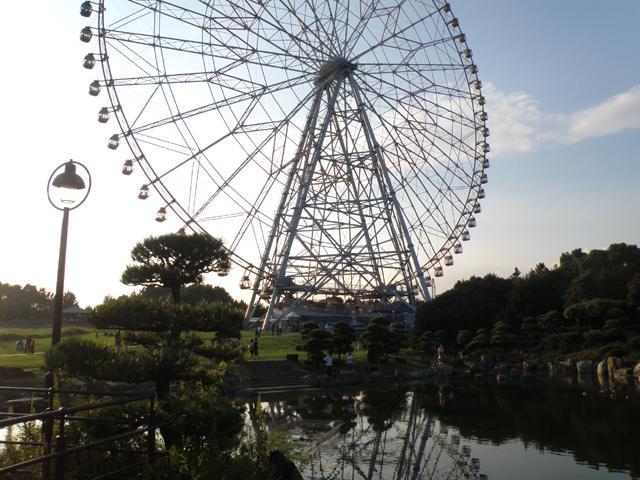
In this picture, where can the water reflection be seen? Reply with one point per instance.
(465, 432)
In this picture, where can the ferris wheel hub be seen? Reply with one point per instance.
(329, 69)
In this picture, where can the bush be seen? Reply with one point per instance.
(78, 356)
(615, 334)
(593, 338)
(634, 342)
(464, 337)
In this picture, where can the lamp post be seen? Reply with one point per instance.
(66, 191)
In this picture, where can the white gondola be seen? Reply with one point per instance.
(114, 141)
(438, 271)
(245, 283)
(89, 61)
(127, 168)
(86, 35)
(481, 193)
(448, 260)
(86, 9)
(143, 194)
(428, 282)
(161, 214)
(486, 163)
(466, 236)
(94, 88)
(477, 208)
(472, 222)
(484, 179)
(103, 115)
(457, 248)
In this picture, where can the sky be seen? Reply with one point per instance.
(562, 81)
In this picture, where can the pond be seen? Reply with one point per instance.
(471, 431)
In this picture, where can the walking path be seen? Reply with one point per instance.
(19, 354)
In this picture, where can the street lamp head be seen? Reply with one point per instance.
(67, 190)
(69, 178)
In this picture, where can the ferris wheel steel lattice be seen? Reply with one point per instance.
(339, 148)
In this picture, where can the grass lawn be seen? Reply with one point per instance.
(274, 347)
(42, 336)
(271, 347)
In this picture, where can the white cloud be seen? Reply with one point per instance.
(519, 125)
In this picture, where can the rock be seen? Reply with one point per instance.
(475, 367)
(444, 369)
(284, 468)
(636, 371)
(602, 368)
(584, 367)
(550, 368)
(567, 366)
(501, 369)
(613, 363)
(478, 377)
(502, 378)
(516, 371)
(623, 374)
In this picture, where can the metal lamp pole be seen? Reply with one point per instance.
(66, 192)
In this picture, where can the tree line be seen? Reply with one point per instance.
(586, 300)
(29, 302)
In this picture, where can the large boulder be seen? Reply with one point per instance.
(602, 368)
(613, 363)
(567, 367)
(636, 371)
(585, 367)
(623, 374)
(283, 468)
(532, 367)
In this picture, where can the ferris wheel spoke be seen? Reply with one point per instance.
(261, 19)
(396, 34)
(418, 196)
(410, 123)
(252, 156)
(408, 94)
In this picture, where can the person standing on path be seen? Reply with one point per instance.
(328, 362)
(255, 346)
(440, 353)
(252, 348)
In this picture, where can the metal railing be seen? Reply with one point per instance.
(55, 451)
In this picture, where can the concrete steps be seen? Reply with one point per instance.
(274, 375)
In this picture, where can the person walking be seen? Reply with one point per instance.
(348, 361)
(255, 346)
(440, 353)
(328, 363)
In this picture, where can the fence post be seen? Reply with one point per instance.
(151, 429)
(47, 426)
(60, 449)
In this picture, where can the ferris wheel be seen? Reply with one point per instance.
(339, 147)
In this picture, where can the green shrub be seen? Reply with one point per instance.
(593, 338)
(615, 334)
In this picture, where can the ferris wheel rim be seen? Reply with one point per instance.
(190, 221)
